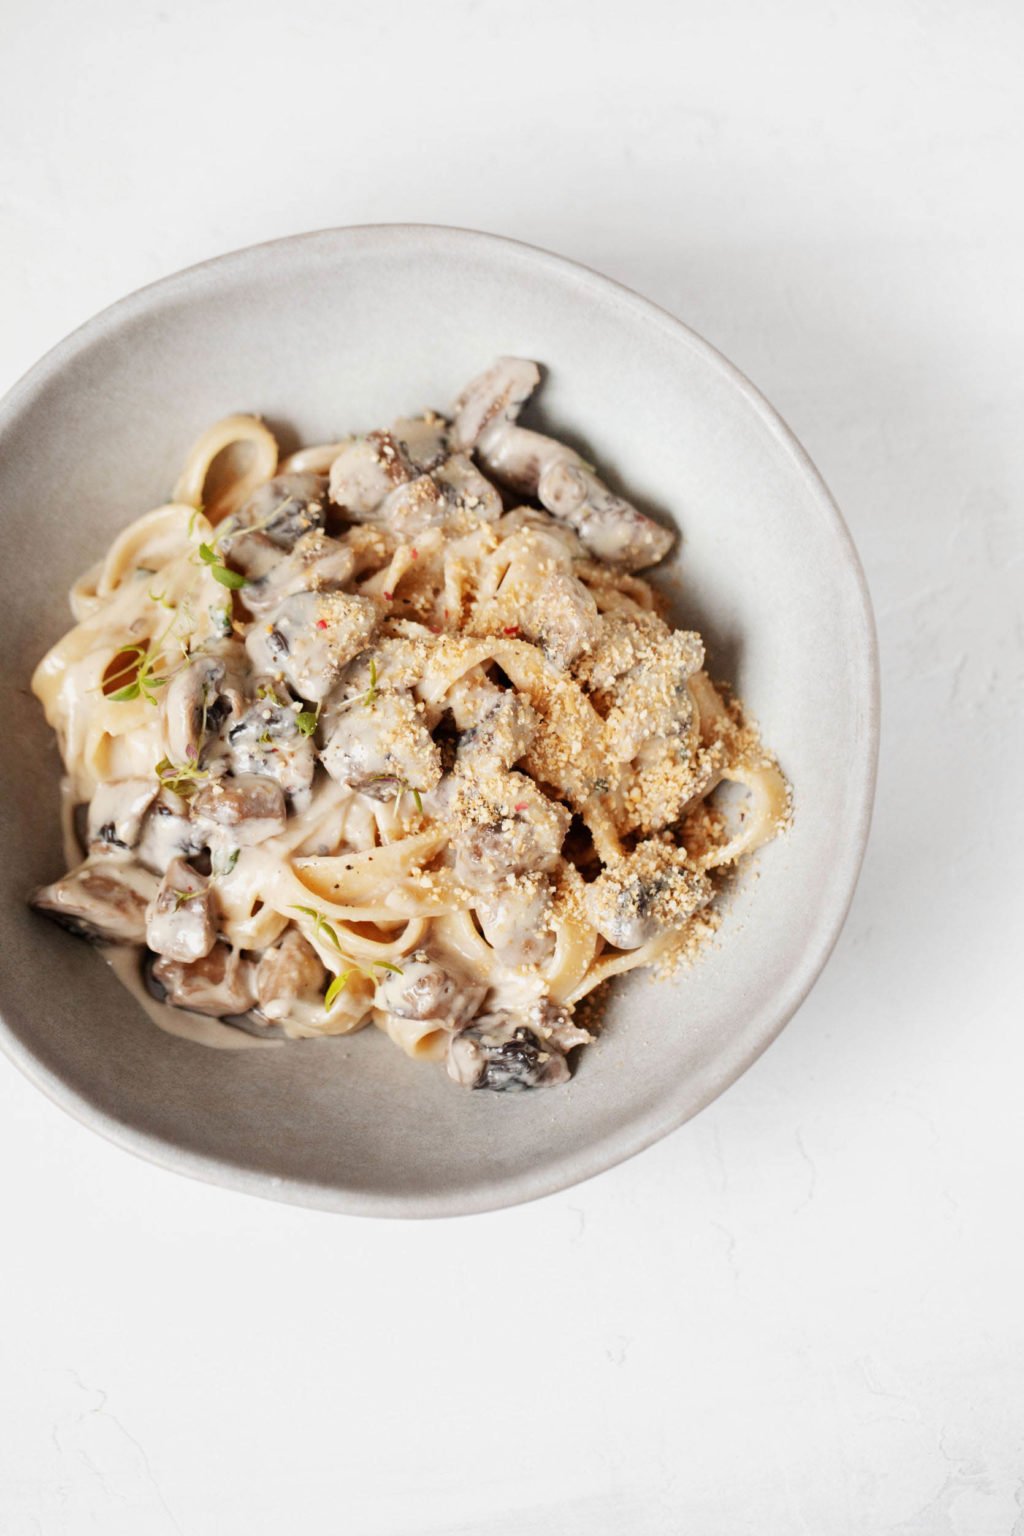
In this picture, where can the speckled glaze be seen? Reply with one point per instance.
(345, 329)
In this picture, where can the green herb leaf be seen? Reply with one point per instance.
(219, 571)
(142, 662)
(392, 778)
(182, 898)
(222, 864)
(335, 989)
(320, 925)
(181, 778)
(228, 578)
(371, 692)
(307, 721)
(387, 966)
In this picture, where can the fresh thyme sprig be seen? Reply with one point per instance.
(343, 978)
(322, 927)
(223, 863)
(139, 664)
(308, 719)
(336, 988)
(403, 788)
(370, 697)
(208, 552)
(219, 571)
(181, 778)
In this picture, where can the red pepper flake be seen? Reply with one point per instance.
(524, 805)
(415, 554)
(511, 629)
(433, 629)
(388, 596)
(321, 623)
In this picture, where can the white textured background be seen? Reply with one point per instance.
(805, 1311)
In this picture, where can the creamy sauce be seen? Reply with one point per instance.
(125, 960)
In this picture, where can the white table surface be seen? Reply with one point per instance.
(803, 1312)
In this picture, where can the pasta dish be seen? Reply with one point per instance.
(392, 732)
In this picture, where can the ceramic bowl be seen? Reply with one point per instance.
(343, 330)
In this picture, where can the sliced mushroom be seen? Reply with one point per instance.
(180, 921)
(222, 983)
(515, 920)
(492, 398)
(539, 521)
(622, 641)
(535, 465)
(266, 740)
(273, 520)
(554, 1022)
(245, 809)
(410, 508)
(422, 439)
(465, 489)
(508, 827)
(167, 833)
(317, 563)
(653, 699)
(609, 526)
(290, 972)
(648, 893)
(502, 734)
(103, 900)
(116, 813)
(366, 471)
(192, 707)
(311, 637)
(562, 618)
(382, 748)
(503, 1054)
(454, 489)
(424, 988)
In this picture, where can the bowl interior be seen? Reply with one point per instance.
(343, 330)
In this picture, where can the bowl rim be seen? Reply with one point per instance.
(821, 935)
